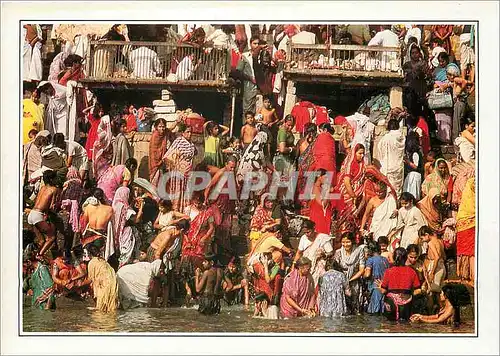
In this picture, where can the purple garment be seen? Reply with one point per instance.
(301, 290)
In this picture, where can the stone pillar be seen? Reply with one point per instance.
(396, 97)
(291, 98)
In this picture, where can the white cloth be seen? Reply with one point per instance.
(57, 110)
(72, 131)
(364, 129)
(434, 56)
(32, 57)
(144, 63)
(466, 148)
(385, 38)
(413, 32)
(411, 220)
(310, 250)
(133, 282)
(79, 154)
(303, 37)
(413, 184)
(219, 38)
(381, 223)
(185, 69)
(391, 149)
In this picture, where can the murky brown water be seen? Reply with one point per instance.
(72, 316)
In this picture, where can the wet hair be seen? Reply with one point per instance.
(327, 127)
(131, 162)
(413, 248)
(400, 256)
(444, 56)
(58, 140)
(383, 240)
(459, 296)
(412, 143)
(166, 203)
(303, 261)
(157, 122)
(310, 129)
(373, 247)
(98, 193)
(393, 125)
(348, 235)
(309, 224)
(405, 196)
(50, 178)
(183, 225)
(425, 230)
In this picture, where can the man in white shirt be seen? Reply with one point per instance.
(385, 38)
(77, 157)
(186, 67)
(145, 63)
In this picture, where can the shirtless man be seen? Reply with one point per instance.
(98, 215)
(45, 202)
(434, 268)
(209, 285)
(164, 242)
(379, 222)
(248, 131)
(268, 114)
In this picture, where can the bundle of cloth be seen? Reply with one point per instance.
(305, 112)
(379, 107)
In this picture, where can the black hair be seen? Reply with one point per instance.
(157, 122)
(373, 247)
(289, 118)
(459, 296)
(210, 126)
(400, 256)
(144, 247)
(383, 240)
(182, 127)
(131, 162)
(261, 297)
(50, 178)
(33, 132)
(411, 120)
(413, 248)
(466, 121)
(267, 97)
(72, 59)
(183, 225)
(327, 127)
(405, 196)
(98, 193)
(348, 235)
(249, 113)
(310, 129)
(412, 143)
(93, 250)
(392, 125)
(309, 224)
(425, 230)
(412, 39)
(58, 140)
(255, 37)
(166, 203)
(444, 56)
(232, 158)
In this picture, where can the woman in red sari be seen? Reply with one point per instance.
(321, 210)
(198, 239)
(94, 118)
(351, 182)
(157, 149)
(324, 151)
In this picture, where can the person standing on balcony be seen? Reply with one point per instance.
(144, 63)
(247, 67)
(360, 34)
(32, 57)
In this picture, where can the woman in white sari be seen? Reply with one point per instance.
(316, 247)
(391, 150)
(134, 281)
(351, 259)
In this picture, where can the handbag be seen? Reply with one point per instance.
(439, 100)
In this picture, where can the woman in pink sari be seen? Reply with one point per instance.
(298, 298)
(179, 159)
(124, 234)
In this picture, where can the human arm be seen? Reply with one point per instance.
(225, 130)
(200, 281)
(469, 137)
(212, 183)
(140, 212)
(81, 274)
(436, 318)
(55, 278)
(208, 235)
(358, 274)
(156, 224)
(367, 213)
(348, 187)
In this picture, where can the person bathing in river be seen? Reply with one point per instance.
(263, 308)
(45, 204)
(40, 283)
(452, 297)
(239, 284)
(167, 217)
(380, 213)
(298, 298)
(209, 285)
(103, 279)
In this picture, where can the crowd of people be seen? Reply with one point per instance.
(381, 224)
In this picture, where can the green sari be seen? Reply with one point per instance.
(43, 287)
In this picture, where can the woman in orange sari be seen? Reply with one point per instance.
(157, 149)
(428, 207)
(466, 233)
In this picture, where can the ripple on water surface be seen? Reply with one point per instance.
(72, 316)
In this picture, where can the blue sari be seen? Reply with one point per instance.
(378, 265)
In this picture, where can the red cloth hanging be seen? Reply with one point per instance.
(301, 114)
(321, 115)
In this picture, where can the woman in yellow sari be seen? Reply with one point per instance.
(466, 233)
(104, 283)
(32, 115)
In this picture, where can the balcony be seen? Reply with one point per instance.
(109, 63)
(347, 64)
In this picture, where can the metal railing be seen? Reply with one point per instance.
(112, 60)
(345, 58)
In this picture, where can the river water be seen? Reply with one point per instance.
(73, 316)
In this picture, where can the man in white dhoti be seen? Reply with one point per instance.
(391, 149)
(382, 210)
(32, 56)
